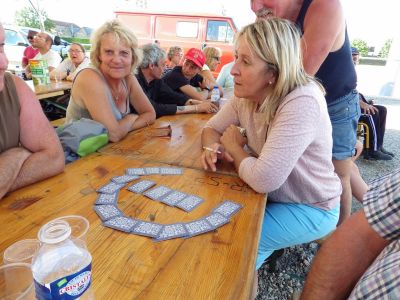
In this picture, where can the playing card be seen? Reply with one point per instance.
(227, 208)
(121, 223)
(124, 178)
(172, 198)
(157, 192)
(171, 231)
(106, 212)
(152, 170)
(198, 226)
(107, 199)
(135, 171)
(141, 186)
(189, 203)
(147, 229)
(170, 171)
(110, 188)
(216, 220)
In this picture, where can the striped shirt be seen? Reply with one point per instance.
(382, 209)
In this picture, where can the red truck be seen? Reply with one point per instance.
(185, 30)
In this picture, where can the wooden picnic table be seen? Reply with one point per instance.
(52, 89)
(214, 265)
(182, 148)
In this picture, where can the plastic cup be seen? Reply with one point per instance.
(16, 282)
(57, 77)
(79, 226)
(21, 251)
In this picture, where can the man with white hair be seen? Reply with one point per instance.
(164, 100)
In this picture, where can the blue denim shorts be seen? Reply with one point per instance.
(344, 113)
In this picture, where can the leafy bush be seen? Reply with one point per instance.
(385, 48)
(361, 45)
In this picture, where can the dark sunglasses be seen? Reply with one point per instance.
(30, 37)
(217, 58)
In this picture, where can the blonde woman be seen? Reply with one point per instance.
(213, 60)
(103, 93)
(288, 147)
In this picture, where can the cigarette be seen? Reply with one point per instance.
(212, 150)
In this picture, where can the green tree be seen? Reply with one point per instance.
(385, 49)
(361, 45)
(28, 17)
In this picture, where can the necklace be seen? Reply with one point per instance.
(116, 95)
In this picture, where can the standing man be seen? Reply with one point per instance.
(42, 41)
(327, 56)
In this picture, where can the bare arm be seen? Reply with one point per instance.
(203, 107)
(11, 162)
(141, 103)
(90, 89)
(342, 259)
(207, 75)
(317, 41)
(194, 94)
(39, 138)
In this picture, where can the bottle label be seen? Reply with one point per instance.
(66, 288)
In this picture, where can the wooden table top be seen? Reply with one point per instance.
(52, 89)
(182, 149)
(215, 265)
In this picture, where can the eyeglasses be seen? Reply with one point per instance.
(74, 51)
(217, 58)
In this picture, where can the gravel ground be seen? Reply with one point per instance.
(278, 280)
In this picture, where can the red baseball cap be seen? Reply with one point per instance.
(197, 56)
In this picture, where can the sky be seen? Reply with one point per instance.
(363, 20)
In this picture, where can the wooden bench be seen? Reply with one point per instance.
(58, 122)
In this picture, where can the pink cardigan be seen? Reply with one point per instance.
(294, 163)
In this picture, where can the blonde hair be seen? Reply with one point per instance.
(277, 42)
(121, 33)
(210, 53)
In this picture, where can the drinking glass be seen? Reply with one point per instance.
(16, 282)
(21, 251)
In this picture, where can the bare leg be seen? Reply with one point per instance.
(343, 170)
(358, 185)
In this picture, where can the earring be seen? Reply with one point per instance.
(270, 82)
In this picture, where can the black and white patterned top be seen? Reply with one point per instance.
(382, 209)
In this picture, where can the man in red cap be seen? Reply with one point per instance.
(186, 79)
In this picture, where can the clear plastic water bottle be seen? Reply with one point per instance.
(215, 95)
(62, 268)
(19, 72)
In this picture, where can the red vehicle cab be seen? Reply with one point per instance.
(185, 30)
